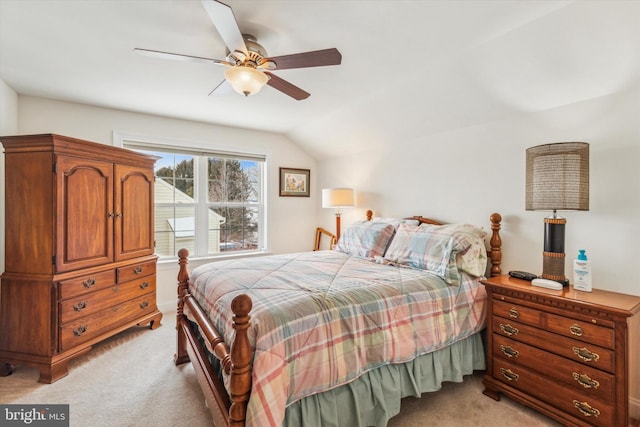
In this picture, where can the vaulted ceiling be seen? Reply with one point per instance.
(409, 68)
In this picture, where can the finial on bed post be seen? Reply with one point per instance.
(496, 244)
(369, 214)
(241, 352)
(181, 355)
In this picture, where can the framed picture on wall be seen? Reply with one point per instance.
(294, 182)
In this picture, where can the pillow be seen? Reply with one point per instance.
(396, 221)
(440, 249)
(365, 239)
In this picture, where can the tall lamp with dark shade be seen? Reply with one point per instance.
(557, 179)
(338, 198)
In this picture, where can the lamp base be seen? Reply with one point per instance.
(553, 267)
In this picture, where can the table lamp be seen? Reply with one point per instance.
(338, 198)
(557, 179)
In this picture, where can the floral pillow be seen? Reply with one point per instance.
(440, 249)
(366, 239)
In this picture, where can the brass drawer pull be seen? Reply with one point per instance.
(513, 312)
(576, 330)
(144, 304)
(509, 374)
(509, 351)
(585, 381)
(144, 285)
(509, 330)
(585, 354)
(89, 283)
(138, 270)
(80, 305)
(80, 330)
(115, 288)
(586, 409)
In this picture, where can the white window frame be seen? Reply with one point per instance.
(151, 143)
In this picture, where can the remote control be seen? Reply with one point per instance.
(545, 283)
(522, 275)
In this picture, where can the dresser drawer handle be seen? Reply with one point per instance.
(509, 374)
(115, 288)
(80, 305)
(138, 270)
(586, 409)
(80, 330)
(585, 354)
(144, 285)
(585, 381)
(576, 330)
(509, 351)
(144, 304)
(509, 330)
(89, 283)
(513, 312)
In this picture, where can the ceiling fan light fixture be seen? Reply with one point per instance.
(245, 80)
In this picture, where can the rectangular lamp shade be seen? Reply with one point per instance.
(558, 177)
(338, 198)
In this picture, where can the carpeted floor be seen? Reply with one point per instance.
(130, 380)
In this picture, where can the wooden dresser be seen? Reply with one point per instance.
(572, 355)
(79, 262)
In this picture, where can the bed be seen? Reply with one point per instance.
(338, 337)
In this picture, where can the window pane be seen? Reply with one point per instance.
(174, 229)
(235, 228)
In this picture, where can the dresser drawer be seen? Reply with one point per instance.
(571, 401)
(93, 325)
(591, 355)
(82, 305)
(88, 283)
(588, 332)
(135, 271)
(592, 382)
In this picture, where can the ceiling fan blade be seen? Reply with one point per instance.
(179, 56)
(316, 58)
(287, 88)
(225, 22)
(224, 88)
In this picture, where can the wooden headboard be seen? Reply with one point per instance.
(494, 245)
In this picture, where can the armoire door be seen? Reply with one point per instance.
(84, 209)
(133, 206)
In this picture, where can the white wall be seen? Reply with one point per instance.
(292, 220)
(8, 126)
(466, 174)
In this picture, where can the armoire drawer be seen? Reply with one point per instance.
(587, 408)
(591, 355)
(134, 271)
(593, 382)
(91, 326)
(87, 283)
(588, 332)
(83, 305)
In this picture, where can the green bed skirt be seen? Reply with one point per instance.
(376, 395)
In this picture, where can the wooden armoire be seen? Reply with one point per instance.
(79, 249)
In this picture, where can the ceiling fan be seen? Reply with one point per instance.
(249, 67)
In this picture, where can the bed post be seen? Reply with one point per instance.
(241, 353)
(495, 242)
(181, 355)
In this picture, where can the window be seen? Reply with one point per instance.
(210, 203)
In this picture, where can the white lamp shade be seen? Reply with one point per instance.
(245, 80)
(338, 198)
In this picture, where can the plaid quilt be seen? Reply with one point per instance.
(321, 319)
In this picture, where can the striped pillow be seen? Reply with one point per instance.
(366, 239)
(436, 248)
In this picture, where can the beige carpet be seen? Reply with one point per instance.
(130, 380)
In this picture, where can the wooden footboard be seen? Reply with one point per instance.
(229, 409)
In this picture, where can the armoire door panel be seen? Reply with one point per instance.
(85, 212)
(134, 212)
